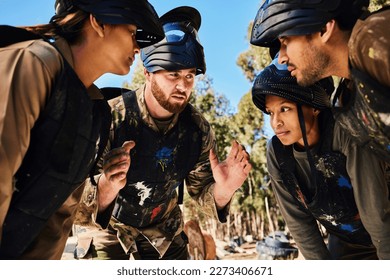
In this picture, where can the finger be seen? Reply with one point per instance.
(247, 168)
(119, 154)
(213, 159)
(234, 150)
(244, 156)
(112, 160)
(116, 168)
(128, 145)
(117, 177)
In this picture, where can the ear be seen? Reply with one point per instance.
(147, 74)
(316, 112)
(99, 28)
(328, 30)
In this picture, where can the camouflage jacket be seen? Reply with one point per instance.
(199, 184)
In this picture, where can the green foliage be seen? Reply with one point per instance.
(216, 109)
(377, 4)
(138, 77)
(253, 59)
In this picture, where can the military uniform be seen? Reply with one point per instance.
(165, 231)
(365, 113)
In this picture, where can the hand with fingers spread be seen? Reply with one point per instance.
(229, 174)
(116, 163)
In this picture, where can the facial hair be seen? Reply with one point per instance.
(313, 71)
(159, 95)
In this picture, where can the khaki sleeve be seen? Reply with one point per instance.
(26, 82)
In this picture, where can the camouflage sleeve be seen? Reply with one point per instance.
(88, 210)
(369, 47)
(200, 181)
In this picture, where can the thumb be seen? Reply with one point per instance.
(213, 159)
(128, 145)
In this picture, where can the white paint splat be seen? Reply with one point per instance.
(144, 191)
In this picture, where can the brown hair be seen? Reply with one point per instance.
(69, 26)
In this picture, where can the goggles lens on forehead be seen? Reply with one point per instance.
(177, 31)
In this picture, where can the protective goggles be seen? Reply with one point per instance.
(177, 32)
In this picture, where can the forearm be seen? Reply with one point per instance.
(372, 200)
(369, 179)
(222, 196)
(302, 225)
(106, 193)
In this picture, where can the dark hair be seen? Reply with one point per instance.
(68, 26)
(71, 16)
(350, 12)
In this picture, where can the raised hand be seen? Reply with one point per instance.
(230, 174)
(116, 163)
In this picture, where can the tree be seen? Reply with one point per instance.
(138, 77)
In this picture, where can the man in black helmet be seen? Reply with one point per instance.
(54, 120)
(319, 173)
(336, 38)
(173, 143)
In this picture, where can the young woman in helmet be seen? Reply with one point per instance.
(319, 174)
(343, 40)
(53, 118)
(173, 143)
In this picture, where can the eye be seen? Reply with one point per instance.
(283, 41)
(133, 33)
(190, 76)
(285, 109)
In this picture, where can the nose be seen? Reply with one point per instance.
(276, 121)
(282, 58)
(181, 85)
(137, 49)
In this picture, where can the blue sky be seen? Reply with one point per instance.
(222, 33)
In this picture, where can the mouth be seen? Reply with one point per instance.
(281, 133)
(180, 97)
(291, 70)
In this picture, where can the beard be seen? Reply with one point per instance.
(314, 71)
(173, 107)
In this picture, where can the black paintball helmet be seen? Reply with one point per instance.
(277, 18)
(181, 48)
(276, 80)
(138, 12)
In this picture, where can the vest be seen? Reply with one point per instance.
(366, 115)
(159, 164)
(332, 201)
(62, 152)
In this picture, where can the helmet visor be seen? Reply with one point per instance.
(177, 32)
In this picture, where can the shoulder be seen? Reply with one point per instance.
(198, 119)
(369, 46)
(118, 110)
(342, 140)
(39, 51)
(271, 156)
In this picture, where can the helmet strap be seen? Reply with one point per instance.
(313, 173)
